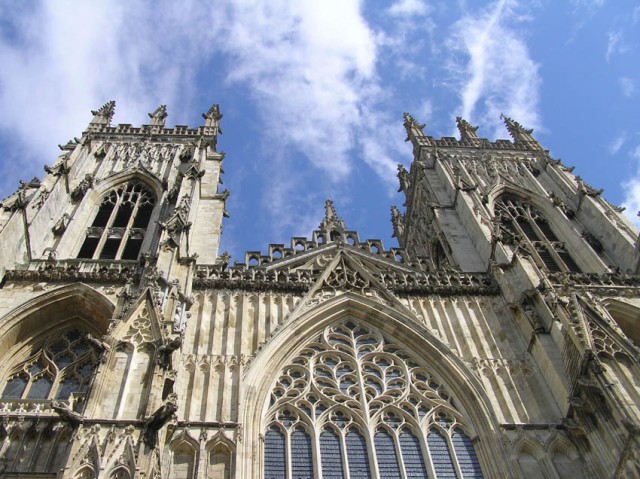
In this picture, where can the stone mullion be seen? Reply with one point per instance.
(315, 429)
(369, 431)
(547, 243)
(105, 230)
(345, 458)
(452, 453)
(127, 230)
(396, 444)
(424, 449)
(287, 452)
(530, 246)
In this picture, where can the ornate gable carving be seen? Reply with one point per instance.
(605, 337)
(141, 325)
(346, 274)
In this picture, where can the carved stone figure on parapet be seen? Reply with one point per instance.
(159, 115)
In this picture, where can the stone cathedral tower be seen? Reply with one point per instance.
(499, 340)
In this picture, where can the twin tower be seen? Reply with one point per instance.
(499, 339)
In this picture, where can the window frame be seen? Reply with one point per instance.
(123, 192)
(50, 361)
(288, 408)
(544, 241)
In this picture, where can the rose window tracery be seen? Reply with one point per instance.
(353, 401)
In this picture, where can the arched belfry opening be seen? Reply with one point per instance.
(522, 223)
(120, 223)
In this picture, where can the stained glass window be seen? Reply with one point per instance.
(62, 366)
(466, 454)
(377, 411)
(274, 462)
(331, 454)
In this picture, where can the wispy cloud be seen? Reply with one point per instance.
(486, 43)
(617, 143)
(628, 86)
(615, 44)
(583, 12)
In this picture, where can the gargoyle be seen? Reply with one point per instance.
(67, 414)
(166, 350)
(158, 419)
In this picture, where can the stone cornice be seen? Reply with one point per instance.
(86, 271)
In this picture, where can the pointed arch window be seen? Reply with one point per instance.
(353, 401)
(62, 367)
(524, 224)
(120, 225)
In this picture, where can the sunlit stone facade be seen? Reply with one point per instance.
(500, 339)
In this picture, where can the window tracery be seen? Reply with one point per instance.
(120, 224)
(524, 224)
(353, 401)
(63, 366)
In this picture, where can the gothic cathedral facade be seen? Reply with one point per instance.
(499, 340)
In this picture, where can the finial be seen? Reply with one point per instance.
(410, 122)
(105, 110)
(102, 116)
(331, 224)
(520, 134)
(212, 119)
(467, 131)
(213, 113)
(159, 115)
(515, 128)
(329, 211)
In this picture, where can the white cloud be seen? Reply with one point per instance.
(70, 58)
(408, 8)
(631, 202)
(307, 66)
(628, 86)
(493, 68)
(631, 192)
(617, 143)
(310, 69)
(614, 44)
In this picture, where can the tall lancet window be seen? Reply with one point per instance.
(353, 401)
(525, 225)
(119, 227)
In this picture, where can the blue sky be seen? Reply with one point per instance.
(313, 92)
